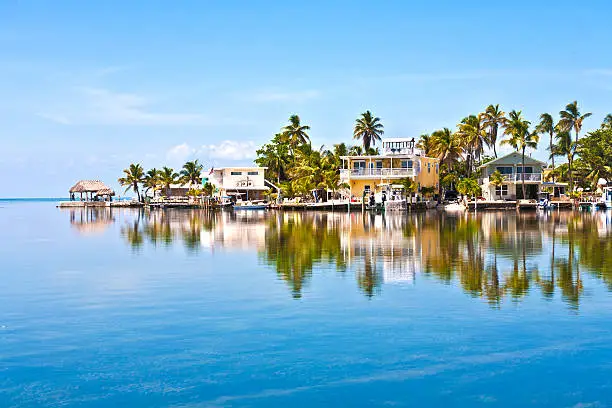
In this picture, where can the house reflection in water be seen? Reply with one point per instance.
(489, 255)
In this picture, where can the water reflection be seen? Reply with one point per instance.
(493, 256)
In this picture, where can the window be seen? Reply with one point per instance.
(437, 168)
(358, 165)
(429, 167)
(528, 170)
(505, 169)
(501, 190)
(379, 164)
(406, 164)
(236, 173)
(366, 188)
(253, 173)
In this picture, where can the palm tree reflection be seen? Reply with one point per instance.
(492, 256)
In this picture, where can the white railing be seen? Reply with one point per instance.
(376, 173)
(533, 177)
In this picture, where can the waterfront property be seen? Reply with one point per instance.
(510, 167)
(89, 193)
(247, 183)
(398, 160)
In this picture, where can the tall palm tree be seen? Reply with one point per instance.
(471, 130)
(547, 125)
(519, 137)
(133, 176)
(368, 129)
(571, 119)
(424, 143)
(607, 122)
(295, 133)
(167, 176)
(151, 180)
(493, 117)
(192, 172)
(446, 146)
(566, 147)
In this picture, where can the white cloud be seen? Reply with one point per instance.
(230, 150)
(180, 153)
(227, 150)
(282, 96)
(104, 107)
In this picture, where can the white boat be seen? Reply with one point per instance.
(251, 205)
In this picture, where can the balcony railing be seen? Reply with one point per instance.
(516, 177)
(376, 173)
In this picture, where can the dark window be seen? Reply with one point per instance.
(253, 173)
(236, 173)
(505, 169)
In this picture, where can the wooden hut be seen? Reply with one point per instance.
(94, 188)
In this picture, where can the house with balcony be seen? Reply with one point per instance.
(511, 168)
(399, 159)
(246, 183)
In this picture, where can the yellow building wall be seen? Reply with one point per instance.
(429, 175)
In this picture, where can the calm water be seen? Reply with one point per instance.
(183, 309)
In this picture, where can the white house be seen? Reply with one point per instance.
(511, 168)
(248, 183)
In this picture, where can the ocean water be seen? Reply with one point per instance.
(264, 309)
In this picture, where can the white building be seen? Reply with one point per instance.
(248, 183)
(511, 168)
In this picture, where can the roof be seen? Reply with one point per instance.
(89, 186)
(499, 159)
(397, 139)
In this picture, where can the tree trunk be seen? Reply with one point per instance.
(523, 176)
(569, 170)
(553, 160)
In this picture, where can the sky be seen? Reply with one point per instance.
(89, 87)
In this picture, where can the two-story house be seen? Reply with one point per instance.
(247, 183)
(399, 159)
(510, 167)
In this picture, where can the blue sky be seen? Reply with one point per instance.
(89, 87)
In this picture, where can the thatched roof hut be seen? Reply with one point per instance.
(93, 187)
(88, 186)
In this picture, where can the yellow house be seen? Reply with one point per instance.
(399, 159)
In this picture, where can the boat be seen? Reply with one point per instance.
(251, 205)
(544, 202)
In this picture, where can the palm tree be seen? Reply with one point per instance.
(355, 151)
(134, 175)
(519, 137)
(607, 122)
(493, 117)
(425, 143)
(471, 130)
(151, 180)
(167, 177)
(410, 187)
(566, 147)
(571, 119)
(295, 133)
(547, 125)
(368, 129)
(447, 146)
(191, 173)
(496, 178)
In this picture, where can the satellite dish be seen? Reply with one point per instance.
(602, 182)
